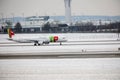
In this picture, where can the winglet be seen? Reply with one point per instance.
(10, 32)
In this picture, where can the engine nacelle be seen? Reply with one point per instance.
(46, 42)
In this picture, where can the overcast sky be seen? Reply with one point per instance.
(56, 7)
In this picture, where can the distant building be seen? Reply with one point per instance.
(34, 23)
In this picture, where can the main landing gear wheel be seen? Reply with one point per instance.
(38, 44)
(35, 44)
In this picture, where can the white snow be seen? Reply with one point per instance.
(61, 69)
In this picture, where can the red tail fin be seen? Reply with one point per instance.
(10, 33)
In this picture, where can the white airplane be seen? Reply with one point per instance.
(37, 41)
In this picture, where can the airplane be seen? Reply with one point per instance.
(36, 41)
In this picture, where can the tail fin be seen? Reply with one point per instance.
(10, 33)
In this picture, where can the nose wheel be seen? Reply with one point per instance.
(38, 44)
(60, 43)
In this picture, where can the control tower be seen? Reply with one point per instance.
(68, 11)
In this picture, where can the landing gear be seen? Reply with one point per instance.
(60, 43)
(36, 43)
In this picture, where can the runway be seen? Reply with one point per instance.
(72, 49)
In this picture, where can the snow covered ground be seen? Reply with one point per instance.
(60, 69)
(64, 68)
